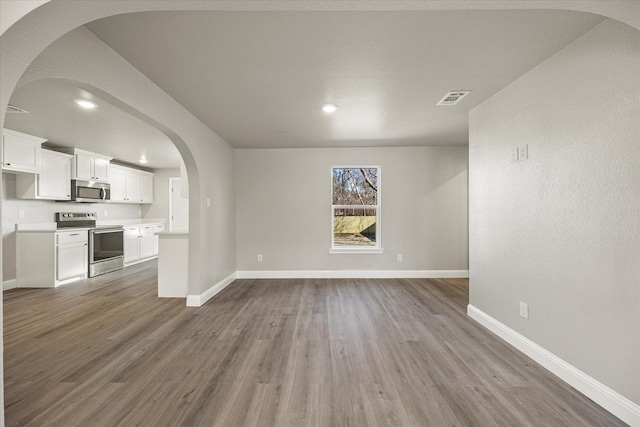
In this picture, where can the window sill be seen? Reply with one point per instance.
(354, 250)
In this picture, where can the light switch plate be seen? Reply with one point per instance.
(514, 155)
(524, 310)
(523, 152)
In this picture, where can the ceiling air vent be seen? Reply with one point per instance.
(452, 98)
(15, 110)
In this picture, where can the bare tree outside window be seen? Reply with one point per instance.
(355, 206)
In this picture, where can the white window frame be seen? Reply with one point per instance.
(377, 249)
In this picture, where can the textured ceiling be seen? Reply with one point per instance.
(258, 79)
(53, 115)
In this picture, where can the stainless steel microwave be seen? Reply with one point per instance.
(90, 191)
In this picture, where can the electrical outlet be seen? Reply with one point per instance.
(139, 212)
(259, 257)
(21, 213)
(106, 214)
(523, 152)
(514, 155)
(208, 202)
(399, 257)
(524, 310)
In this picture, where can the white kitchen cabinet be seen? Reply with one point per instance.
(131, 244)
(140, 242)
(71, 255)
(147, 241)
(130, 185)
(20, 152)
(117, 182)
(158, 228)
(89, 166)
(50, 258)
(145, 185)
(53, 182)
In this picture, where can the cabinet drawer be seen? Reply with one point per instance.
(72, 237)
(146, 230)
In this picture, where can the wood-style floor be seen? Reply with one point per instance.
(349, 352)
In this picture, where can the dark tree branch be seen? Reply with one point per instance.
(366, 178)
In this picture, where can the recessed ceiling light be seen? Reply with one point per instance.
(329, 108)
(86, 104)
(143, 160)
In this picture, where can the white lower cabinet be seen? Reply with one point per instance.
(146, 241)
(48, 259)
(140, 242)
(71, 255)
(131, 244)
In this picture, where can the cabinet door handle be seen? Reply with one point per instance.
(74, 234)
(8, 164)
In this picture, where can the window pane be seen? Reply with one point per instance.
(355, 186)
(354, 227)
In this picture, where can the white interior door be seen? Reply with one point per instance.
(178, 208)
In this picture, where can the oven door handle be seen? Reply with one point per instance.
(110, 230)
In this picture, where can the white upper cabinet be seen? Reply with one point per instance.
(20, 152)
(145, 185)
(117, 182)
(53, 182)
(130, 185)
(90, 166)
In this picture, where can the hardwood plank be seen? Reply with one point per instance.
(309, 352)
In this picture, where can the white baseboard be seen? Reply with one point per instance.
(9, 284)
(139, 261)
(199, 300)
(618, 405)
(352, 274)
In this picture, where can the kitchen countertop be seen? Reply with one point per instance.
(52, 227)
(131, 222)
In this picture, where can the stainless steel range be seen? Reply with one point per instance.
(106, 242)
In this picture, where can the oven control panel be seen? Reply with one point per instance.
(71, 216)
(76, 219)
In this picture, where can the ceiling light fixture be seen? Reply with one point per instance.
(86, 104)
(329, 108)
(143, 160)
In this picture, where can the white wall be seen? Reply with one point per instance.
(561, 230)
(284, 199)
(161, 197)
(41, 211)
